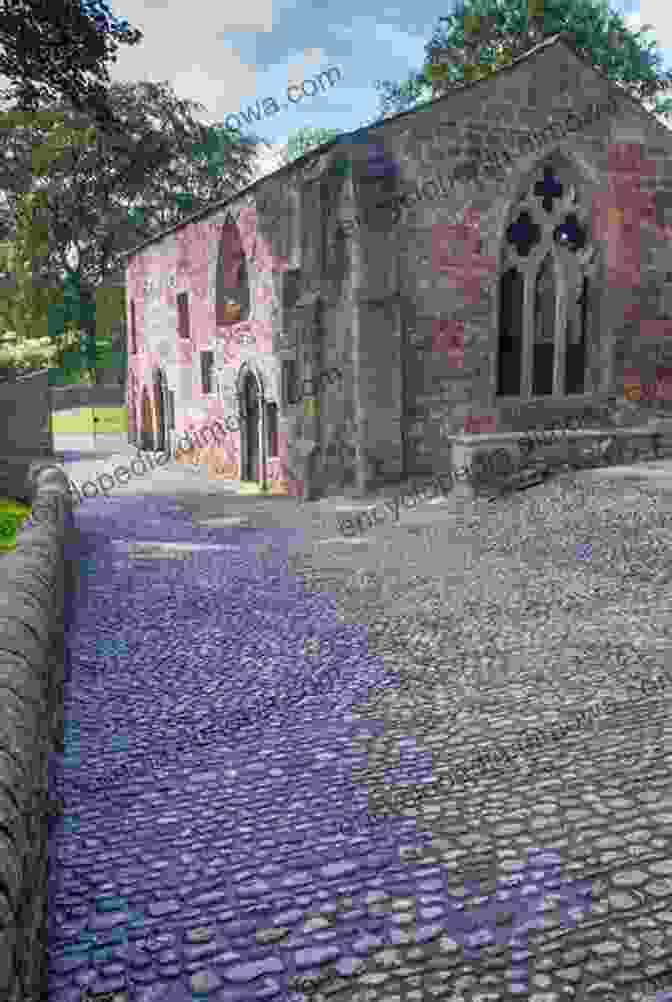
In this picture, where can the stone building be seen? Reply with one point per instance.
(485, 263)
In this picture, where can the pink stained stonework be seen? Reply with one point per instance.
(480, 425)
(448, 340)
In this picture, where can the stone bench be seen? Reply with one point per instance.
(521, 458)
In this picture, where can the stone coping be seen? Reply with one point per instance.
(556, 434)
(37, 583)
(544, 442)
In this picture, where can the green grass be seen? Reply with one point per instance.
(12, 514)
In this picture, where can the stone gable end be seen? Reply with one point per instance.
(488, 262)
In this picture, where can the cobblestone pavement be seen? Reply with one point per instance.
(241, 721)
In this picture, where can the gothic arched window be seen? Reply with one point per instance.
(545, 294)
(232, 290)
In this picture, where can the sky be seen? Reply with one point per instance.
(229, 57)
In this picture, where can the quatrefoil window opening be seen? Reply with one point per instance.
(570, 233)
(524, 234)
(549, 189)
(547, 203)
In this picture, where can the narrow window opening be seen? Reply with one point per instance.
(290, 380)
(183, 314)
(134, 343)
(207, 362)
(544, 329)
(510, 334)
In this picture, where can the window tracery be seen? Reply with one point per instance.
(545, 292)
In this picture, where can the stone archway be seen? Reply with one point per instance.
(250, 459)
(147, 422)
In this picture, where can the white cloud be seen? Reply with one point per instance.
(268, 161)
(313, 57)
(191, 52)
(660, 18)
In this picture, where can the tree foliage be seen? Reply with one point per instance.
(107, 192)
(106, 166)
(58, 49)
(300, 141)
(481, 35)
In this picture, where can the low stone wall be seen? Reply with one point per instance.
(24, 430)
(69, 398)
(37, 589)
(485, 456)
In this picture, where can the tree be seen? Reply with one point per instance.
(59, 48)
(107, 192)
(300, 141)
(117, 192)
(481, 35)
(26, 306)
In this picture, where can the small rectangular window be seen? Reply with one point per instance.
(291, 283)
(272, 426)
(183, 314)
(207, 362)
(134, 346)
(290, 380)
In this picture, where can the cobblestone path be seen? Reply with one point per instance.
(226, 833)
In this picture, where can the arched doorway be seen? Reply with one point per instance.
(160, 392)
(251, 412)
(147, 425)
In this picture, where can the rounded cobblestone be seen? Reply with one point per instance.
(219, 756)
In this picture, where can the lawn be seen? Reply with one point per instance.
(80, 421)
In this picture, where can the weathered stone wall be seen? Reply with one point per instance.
(382, 255)
(24, 430)
(444, 241)
(37, 585)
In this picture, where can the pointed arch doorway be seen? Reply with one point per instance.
(147, 422)
(160, 388)
(250, 452)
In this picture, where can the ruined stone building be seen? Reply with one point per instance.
(495, 256)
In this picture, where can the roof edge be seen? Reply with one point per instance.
(563, 37)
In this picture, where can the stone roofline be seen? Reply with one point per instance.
(311, 156)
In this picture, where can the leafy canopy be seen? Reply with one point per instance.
(481, 35)
(63, 179)
(59, 49)
(300, 141)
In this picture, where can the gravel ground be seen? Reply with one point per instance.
(222, 857)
